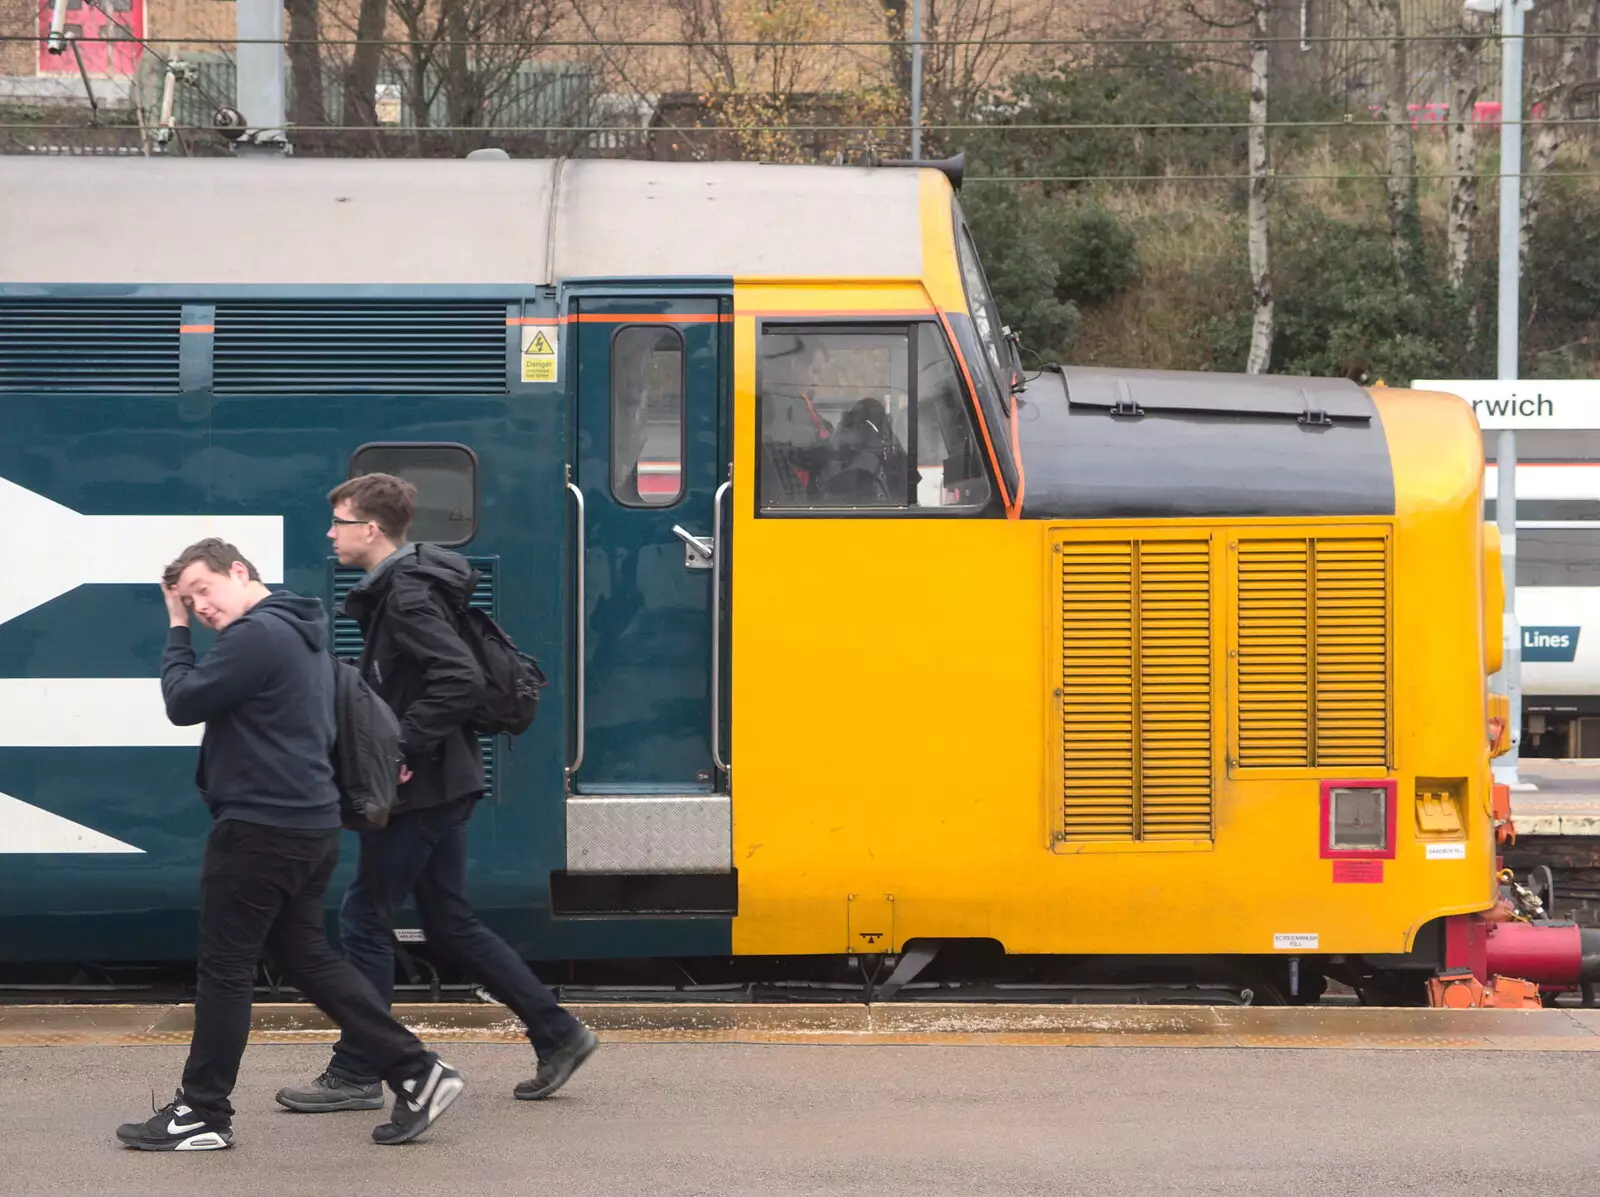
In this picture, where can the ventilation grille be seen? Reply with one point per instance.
(1313, 664)
(116, 346)
(360, 348)
(1136, 690)
(347, 639)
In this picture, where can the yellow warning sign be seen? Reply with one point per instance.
(539, 350)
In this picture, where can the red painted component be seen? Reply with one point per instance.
(1548, 954)
(1466, 944)
(1357, 872)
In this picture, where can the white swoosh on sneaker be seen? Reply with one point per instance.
(449, 1089)
(174, 1129)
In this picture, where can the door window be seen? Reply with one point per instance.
(864, 417)
(647, 416)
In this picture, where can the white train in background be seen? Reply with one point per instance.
(1558, 550)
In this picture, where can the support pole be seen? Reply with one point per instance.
(260, 63)
(1512, 18)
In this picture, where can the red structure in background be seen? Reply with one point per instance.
(1485, 112)
(121, 20)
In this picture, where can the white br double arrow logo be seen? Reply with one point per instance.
(49, 550)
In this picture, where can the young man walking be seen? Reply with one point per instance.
(414, 657)
(265, 695)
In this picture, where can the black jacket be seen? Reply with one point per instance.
(414, 657)
(265, 694)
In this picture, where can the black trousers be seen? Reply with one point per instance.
(261, 890)
(424, 853)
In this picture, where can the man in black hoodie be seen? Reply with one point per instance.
(413, 655)
(265, 694)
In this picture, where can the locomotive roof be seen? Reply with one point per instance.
(448, 222)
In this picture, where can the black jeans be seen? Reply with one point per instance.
(425, 852)
(261, 889)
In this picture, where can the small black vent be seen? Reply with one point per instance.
(346, 632)
(113, 345)
(347, 640)
(360, 348)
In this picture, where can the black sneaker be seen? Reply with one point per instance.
(557, 1068)
(330, 1092)
(175, 1127)
(418, 1103)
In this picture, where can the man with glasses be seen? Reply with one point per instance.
(413, 655)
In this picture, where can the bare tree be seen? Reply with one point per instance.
(305, 62)
(967, 46)
(366, 56)
(1400, 161)
(468, 55)
(787, 75)
(897, 28)
(707, 25)
(1464, 69)
(1261, 324)
(1556, 72)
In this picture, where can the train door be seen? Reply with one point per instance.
(648, 792)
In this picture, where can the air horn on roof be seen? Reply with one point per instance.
(952, 168)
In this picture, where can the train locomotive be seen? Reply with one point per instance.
(876, 660)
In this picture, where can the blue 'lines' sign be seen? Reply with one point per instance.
(1549, 644)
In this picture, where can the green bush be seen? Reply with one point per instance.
(1134, 89)
(1064, 263)
(1561, 285)
(1096, 256)
(1343, 310)
(1046, 255)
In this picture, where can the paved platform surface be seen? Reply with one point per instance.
(887, 1121)
(1565, 799)
(909, 1023)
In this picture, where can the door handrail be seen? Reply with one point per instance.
(718, 540)
(582, 618)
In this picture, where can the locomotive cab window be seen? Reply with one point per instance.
(446, 478)
(985, 315)
(864, 417)
(647, 416)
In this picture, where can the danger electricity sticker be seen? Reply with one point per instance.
(540, 347)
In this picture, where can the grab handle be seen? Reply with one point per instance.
(582, 617)
(718, 540)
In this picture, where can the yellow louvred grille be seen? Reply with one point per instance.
(1135, 693)
(1312, 668)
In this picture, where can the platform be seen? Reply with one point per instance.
(913, 1024)
(1564, 800)
(893, 1102)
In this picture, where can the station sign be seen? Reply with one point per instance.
(1549, 643)
(1564, 404)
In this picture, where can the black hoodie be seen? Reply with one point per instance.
(265, 694)
(414, 657)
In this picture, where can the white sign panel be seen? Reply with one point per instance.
(1562, 404)
(1296, 941)
(1572, 673)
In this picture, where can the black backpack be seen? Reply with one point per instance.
(511, 678)
(366, 751)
